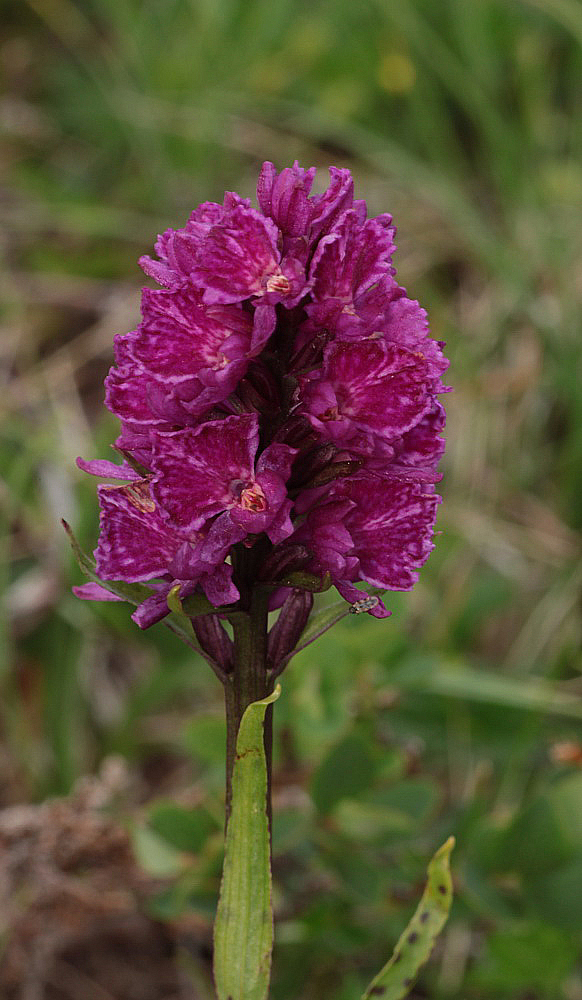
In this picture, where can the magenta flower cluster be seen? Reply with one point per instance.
(278, 406)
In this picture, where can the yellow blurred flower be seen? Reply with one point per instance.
(396, 73)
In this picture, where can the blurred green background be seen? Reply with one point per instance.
(462, 713)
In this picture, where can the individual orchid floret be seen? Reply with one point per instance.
(178, 248)
(193, 355)
(181, 337)
(284, 197)
(136, 545)
(232, 256)
(371, 530)
(183, 358)
(382, 310)
(129, 392)
(351, 259)
(365, 395)
(391, 524)
(325, 536)
(240, 259)
(211, 470)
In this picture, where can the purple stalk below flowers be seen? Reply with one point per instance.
(279, 413)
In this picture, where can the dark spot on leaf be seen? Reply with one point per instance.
(378, 991)
(424, 917)
(442, 889)
(407, 982)
(412, 937)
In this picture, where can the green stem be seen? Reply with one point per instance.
(248, 682)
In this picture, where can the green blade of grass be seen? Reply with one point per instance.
(457, 681)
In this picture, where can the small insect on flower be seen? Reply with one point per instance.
(366, 604)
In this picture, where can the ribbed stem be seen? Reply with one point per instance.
(248, 682)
